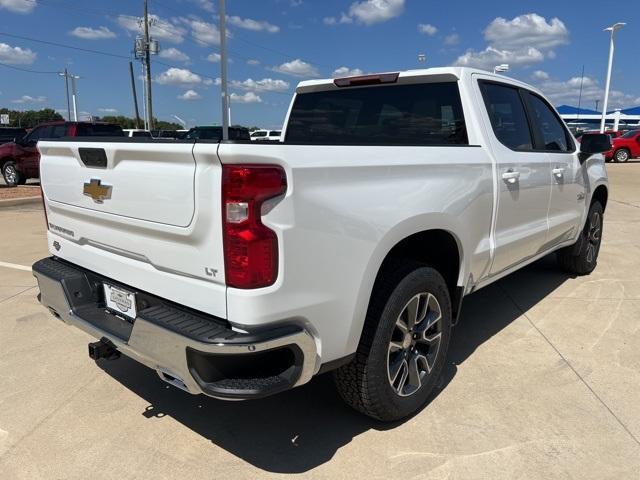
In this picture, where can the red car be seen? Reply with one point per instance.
(20, 160)
(625, 147)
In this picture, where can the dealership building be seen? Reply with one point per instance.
(585, 119)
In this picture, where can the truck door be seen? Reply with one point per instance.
(567, 205)
(523, 177)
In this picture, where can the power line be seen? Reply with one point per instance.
(62, 45)
(27, 69)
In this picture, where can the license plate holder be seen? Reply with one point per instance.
(120, 301)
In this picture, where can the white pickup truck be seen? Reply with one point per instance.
(240, 270)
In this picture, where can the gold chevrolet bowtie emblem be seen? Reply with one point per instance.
(97, 191)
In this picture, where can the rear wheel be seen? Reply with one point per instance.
(622, 155)
(403, 346)
(582, 257)
(12, 176)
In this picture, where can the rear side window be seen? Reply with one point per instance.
(508, 117)
(553, 134)
(97, 130)
(421, 114)
(274, 133)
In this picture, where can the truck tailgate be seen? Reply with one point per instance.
(150, 217)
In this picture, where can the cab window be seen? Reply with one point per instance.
(508, 116)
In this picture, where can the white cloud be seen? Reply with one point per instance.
(210, 81)
(264, 85)
(29, 99)
(178, 76)
(248, 97)
(521, 42)
(16, 55)
(160, 29)
(206, 5)
(370, 12)
(18, 6)
(295, 3)
(108, 110)
(88, 33)
(297, 68)
(190, 95)
(568, 91)
(540, 75)
(526, 31)
(253, 62)
(453, 39)
(174, 54)
(250, 24)
(490, 57)
(346, 72)
(204, 33)
(427, 29)
(213, 57)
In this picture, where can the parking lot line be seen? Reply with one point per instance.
(15, 266)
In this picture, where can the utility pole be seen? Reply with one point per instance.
(135, 96)
(65, 74)
(223, 73)
(74, 96)
(147, 62)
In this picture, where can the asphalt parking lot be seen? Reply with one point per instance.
(543, 381)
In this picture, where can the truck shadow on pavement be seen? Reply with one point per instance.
(296, 431)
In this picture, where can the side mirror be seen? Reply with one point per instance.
(592, 144)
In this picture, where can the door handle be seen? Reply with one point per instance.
(558, 172)
(511, 176)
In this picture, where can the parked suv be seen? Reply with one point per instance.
(240, 270)
(266, 135)
(20, 160)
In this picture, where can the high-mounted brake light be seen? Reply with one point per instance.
(367, 80)
(250, 248)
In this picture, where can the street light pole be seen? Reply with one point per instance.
(223, 73)
(605, 104)
(74, 95)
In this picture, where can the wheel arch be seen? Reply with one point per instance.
(601, 194)
(447, 257)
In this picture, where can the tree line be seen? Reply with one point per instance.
(31, 118)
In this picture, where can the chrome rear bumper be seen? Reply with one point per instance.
(190, 350)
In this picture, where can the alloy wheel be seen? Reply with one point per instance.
(10, 174)
(414, 344)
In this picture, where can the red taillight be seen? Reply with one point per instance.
(250, 248)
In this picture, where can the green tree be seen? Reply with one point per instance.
(30, 118)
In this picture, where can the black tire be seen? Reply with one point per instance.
(365, 383)
(12, 176)
(622, 155)
(582, 257)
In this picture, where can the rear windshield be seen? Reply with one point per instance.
(97, 130)
(630, 134)
(422, 114)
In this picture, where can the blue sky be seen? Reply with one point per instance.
(274, 44)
